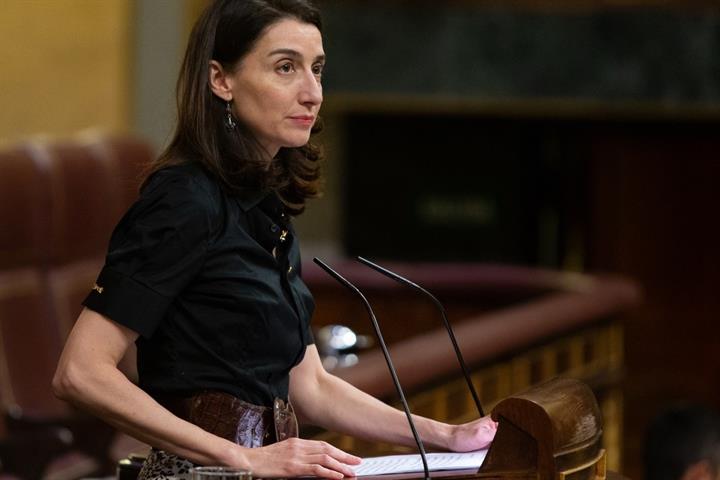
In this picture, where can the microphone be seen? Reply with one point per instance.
(458, 354)
(383, 346)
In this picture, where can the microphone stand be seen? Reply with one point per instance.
(393, 373)
(458, 354)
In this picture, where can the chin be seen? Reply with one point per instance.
(297, 142)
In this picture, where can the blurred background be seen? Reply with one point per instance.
(575, 136)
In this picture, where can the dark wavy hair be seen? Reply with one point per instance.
(680, 437)
(226, 31)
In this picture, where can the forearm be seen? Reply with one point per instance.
(88, 376)
(356, 413)
(107, 393)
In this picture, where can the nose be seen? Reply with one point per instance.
(311, 93)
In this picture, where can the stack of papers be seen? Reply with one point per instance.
(413, 463)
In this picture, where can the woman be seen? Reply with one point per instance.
(203, 273)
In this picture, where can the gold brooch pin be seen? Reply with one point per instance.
(98, 288)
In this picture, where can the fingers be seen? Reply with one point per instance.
(486, 431)
(327, 462)
(332, 459)
(297, 457)
(487, 423)
(339, 454)
(473, 435)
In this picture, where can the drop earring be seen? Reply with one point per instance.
(229, 120)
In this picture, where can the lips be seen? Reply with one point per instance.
(306, 120)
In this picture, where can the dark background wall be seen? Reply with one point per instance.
(586, 138)
(635, 54)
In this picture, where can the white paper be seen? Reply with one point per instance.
(413, 463)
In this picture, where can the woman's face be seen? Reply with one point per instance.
(275, 89)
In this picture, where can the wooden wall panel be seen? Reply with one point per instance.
(66, 66)
(653, 218)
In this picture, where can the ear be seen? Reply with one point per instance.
(220, 81)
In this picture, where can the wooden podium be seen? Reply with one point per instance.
(552, 431)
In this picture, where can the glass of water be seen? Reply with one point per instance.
(220, 473)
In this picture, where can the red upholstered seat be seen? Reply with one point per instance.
(59, 201)
(29, 336)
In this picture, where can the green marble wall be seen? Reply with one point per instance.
(627, 54)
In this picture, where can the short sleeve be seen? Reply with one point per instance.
(156, 250)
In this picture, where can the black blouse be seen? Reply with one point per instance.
(211, 283)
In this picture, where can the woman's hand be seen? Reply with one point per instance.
(474, 435)
(296, 457)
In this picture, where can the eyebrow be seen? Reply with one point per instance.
(293, 53)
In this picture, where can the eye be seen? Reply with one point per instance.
(317, 69)
(286, 67)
